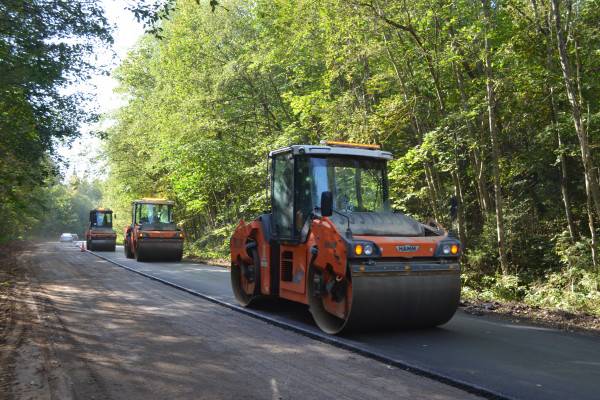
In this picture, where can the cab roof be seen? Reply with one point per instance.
(336, 148)
(149, 200)
(102, 209)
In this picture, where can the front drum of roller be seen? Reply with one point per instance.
(159, 250)
(394, 300)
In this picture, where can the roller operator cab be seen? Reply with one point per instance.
(332, 242)
(100, 234)
(152, 234)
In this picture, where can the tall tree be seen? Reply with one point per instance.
(493, 129)
(44, 46)
(592, 186)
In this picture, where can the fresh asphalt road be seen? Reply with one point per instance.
(514, 360)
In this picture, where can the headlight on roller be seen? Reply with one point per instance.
(454, 249)
(364, 249)
(450, 248)
(358, 249)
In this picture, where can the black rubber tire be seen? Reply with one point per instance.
(127, 250)
(88, 245)
(243, 298)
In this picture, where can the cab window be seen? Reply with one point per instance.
(283, 195)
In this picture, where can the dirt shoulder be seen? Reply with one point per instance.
(520, 313)
(28, 367)
(11, 330)
(219, 262)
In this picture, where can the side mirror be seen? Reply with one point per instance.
(114, 216)
(326, 204)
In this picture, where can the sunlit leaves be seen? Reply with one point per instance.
(219, 90)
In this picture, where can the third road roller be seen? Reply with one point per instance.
(100, 234)
(332, 242)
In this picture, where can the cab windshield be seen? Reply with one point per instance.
(359, 189)
(357, 185)
(154, 213)
(102, 219)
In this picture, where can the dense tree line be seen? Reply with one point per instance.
(44, 46)
(490, 106)
(63, 207)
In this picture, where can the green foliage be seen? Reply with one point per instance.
(65, 208)
(208, 100)
(576, 290)
(482, 255)
(575, 287)
(53, 208)
(44, 45)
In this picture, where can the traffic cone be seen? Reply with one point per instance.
(82, 247)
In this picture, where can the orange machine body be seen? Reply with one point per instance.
(353, 262)
(294, 259)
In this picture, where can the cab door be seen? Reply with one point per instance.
(283, 196)
(290, 266)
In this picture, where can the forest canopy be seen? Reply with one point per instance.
(44, 47)
(490, 106)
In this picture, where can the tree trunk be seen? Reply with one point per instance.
(592, 188)
(416, 127)
(432, 191)
(594, 244)
(462, 234)
(495, 153)
(481, 181)
(564, 178)
(476, 159)
(563, 172)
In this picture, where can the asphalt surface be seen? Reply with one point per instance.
(513, 360)
(102, 332)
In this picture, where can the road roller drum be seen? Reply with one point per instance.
(392, 300)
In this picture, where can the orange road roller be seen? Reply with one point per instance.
(100, 234)
(152, 234)
(332, 242)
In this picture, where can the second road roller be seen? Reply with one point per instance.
(153, 235)
(332, 242)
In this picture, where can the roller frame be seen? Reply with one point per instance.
(385, 292)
